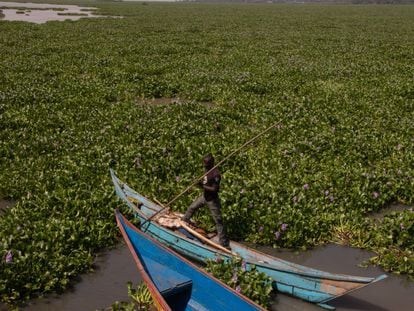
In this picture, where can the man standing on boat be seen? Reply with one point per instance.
(211, 186)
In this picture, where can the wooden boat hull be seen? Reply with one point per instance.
(174, 282)
(306, 283)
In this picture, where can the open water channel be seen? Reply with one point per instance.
(115, 267)
(98, 290)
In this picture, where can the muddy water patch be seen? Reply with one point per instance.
(393, 293)
(41, 13)
(395, 207)
(6, 204)
(97, 290)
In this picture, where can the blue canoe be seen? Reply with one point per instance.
(173, 281)
(303, 282)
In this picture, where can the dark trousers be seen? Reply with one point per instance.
(215, 209)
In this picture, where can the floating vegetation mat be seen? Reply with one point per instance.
(74, 96)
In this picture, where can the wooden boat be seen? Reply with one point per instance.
(303, 282)
(173, 281)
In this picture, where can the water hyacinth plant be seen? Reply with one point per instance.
(249, 282)
(9, 257)
(394, 235)
(141, 300)
(156, 92)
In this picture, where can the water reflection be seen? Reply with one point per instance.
(41, 13)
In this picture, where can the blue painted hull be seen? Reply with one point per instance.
(309, 284)
(174, 282)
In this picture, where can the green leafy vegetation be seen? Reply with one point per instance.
(245, 280)
(141, 299)
(393, 240)
(74, 95)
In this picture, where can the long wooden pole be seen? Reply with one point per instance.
(166, 206)
(206, 240)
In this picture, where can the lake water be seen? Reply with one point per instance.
(96, 290)
(114, 268)
(391, 294)
(107, 284)
(41, 13)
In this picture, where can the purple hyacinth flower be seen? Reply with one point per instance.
(9, 257)
(402, 226)
(283, 227)
(277, 235)
(235, 278)
(326, 192)
(306, 186)
(260, 228)
(244, 266)
(375, 195)
(331, 198)
(238, 289)
(218, 259)
(177, 178)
